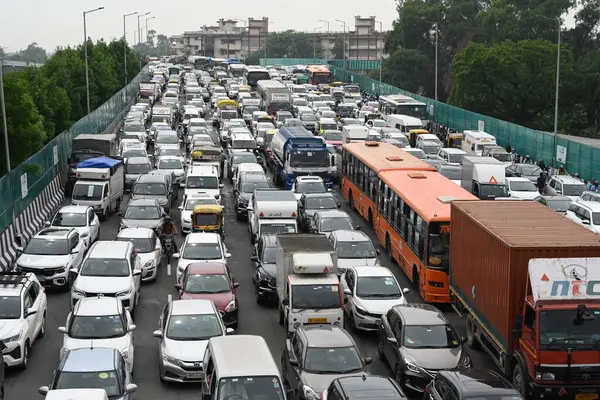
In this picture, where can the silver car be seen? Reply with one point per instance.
(143, 213)
(147, 246)
(172, 164)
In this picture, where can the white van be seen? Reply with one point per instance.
(203, 179)
(404, 123)
(354, 133)
(77, 394)
(235, 366)
(475, 140)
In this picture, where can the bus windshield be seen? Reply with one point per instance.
(438, 256)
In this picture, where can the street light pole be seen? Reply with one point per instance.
(325, 22)
(315, 42)
(437, 34)
(139, 31)
(380, 50)
(3, 110)
(344, 25)
(147, 37)
(87, 79)
(556, 96)
(242, 38)
(125, 44)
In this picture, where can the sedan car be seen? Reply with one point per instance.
(200, 247)
(99, 322)
(310, 203)
(214, 282)
(529, 171)
(469, 383)
(332, 220)
(369, 292)
(308, 184)
(316, 355)
(366, 387)
(172, 164)
(148, 248)
(521, 189)
(417, 341)
(265, 272)
(82, 218)
(560, 204)
(97, 367)
(185, 327)
(143, 213)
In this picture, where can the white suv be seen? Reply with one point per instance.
(308, 184)
(200, 247)
(99, 322)
(585, 213)
(23, 316)
(112, 269)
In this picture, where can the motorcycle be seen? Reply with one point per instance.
(168, 246)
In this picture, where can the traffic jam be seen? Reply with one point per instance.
(270, 233)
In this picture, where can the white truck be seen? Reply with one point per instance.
(271, 212)
(100, 184)
(485, 177)
(308, 287)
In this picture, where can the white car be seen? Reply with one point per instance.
(521, 189)
(185, 329)
(99, 322)
(82, 218)
(148, 248)
(188, 207)
(172, 164)
(23, 319)
(370, 292)
(50, 254)
(354, 249)
(200, 247)
(111, 268)
(308, 184)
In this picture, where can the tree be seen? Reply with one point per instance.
(338, 49)
(33, 53)
(163, 45)
(406, 68)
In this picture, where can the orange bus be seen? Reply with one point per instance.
(318, 74)
(361, 164)
(413, 224)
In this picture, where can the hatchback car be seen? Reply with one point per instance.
(154, 187)
(308, 184)
(134, 167)
(521, 189)
(417, 341)
(185, 327)
(99, 322)
(212, 281)
(81, 218)
(173, 164)
(98, 367)
(148, 248)
(200, 247)
(560, 204)
(143, 213)
(332, 220)
(353, 248)
(366, 387)
(529, 171)
(468, 383)
(315, 355)
(310, 203)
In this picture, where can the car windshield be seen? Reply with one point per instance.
(133, 127)
(244, 158)
(256, 387)
(47, 247)
(141, 245)
(522, 186)
(317, 203)
(193, 327)
(248, 110)
(275, 228)
(105, 267)
(308, 117)
(167, 138)
(197, 124)
(171, 163)
(106, 380)
(530, 170)
(150, 189)
(574, 189)
(170, 152)
(337, 136)
(130, 153)
(310, 187)
(206, 219)
(269, 255)
(378, 287)
(335, 224)
(86, 191)
(142, 212)
(202, 251)
(356, 249)
(332, 360)
(97, 327)
(10, 307)
(316, 296)
(250, 187)
(561, 205)
(207, 284)
(490, 191)
(137, 168)
(430, 148)
(202, 182)
(191, 203)
(70, 220)
(453, 173)
(430, 337)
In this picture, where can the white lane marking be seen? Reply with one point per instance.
(169, 297)
(169, 269)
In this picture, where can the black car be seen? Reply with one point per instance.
(265, 269)
(470, 384)
(529, 171)
(417, 341)
(365, 387)
(243, 190)
(236, 157)
(310, 203)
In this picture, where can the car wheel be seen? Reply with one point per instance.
(43, 327)
(380, 350)
(399, 376)
(281, 317)
(26, 350)
(2, 392)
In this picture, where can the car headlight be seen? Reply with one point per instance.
(123, 293)
(84, 234)
(309, 393)
(411, 366)
(187, 220)
(466, 362)
(544, 376)
(170, 360)
(231, 306)
(125, 353)
(13, 338)
(149, 265)
(79, 292)
(360, 310)
(262, 274)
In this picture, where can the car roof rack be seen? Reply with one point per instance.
(13, 279)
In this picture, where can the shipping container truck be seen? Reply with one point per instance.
(527, 281)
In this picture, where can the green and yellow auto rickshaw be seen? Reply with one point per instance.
(455, 140)
(208, 218)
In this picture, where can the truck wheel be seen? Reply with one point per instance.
(519, 379)
(470, 328)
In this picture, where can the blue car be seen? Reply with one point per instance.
(98, 368)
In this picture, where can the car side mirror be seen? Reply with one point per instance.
(137, 272)
(176, 255)
(285, 302)
(227, 255)
(30, 312)
(130, 388)
(43, 390)
(236, 285)
(47, 223)
(357, 228)
(120, 214)
(254, 258)
(229, 331)
(180, 208)
(131, 328)
(221, 186)
(463, 340)
(294, 362)
(74, 271)
(348, 292)
(178, 286)
(405, 290)
(377, 252)
(62, 329)
(368, 360)
(157, 334)
(392, 340)
(585, 221)
(339, 205)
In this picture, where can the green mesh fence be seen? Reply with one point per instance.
(578, 155)
(51, 161)
(351, 65)
(292, 61)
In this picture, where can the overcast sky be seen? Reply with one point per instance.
(59, 22)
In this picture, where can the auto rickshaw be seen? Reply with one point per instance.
(454, 140)
(336, 84)
(208, 218)
(414, 133)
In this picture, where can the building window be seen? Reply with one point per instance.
(229, 41)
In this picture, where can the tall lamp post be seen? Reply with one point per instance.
(125, 44)
(148, 19)
(244, 53)
(87, 79)
(315, 42)
(380, 50)
(139, 31)
(3, 111)
(437, 35)
(266, 37)
(325, 22)
(343, 23)
(556, 94)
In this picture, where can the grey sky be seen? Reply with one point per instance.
(59, 22)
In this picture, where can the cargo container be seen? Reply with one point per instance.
(492, 248)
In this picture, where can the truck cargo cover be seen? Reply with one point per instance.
(99, 162)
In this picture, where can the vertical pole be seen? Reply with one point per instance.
(344, 46)
(87, 79)
(380, 51)
(266, 35)
(556, 98)
(436, 60)
(139, 40)
(3, 110)
(227, 40)
(314, 44)
(125, 48)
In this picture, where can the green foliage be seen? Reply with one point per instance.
(33, 53)
(338, 49)
(288, 44)
(407, 69)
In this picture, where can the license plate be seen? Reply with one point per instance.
(586, 396)
(317, 320)
(41, 278)
(378, 322)
(193, 376)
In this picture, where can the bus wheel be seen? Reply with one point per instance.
(371, 218)
(388, 247)
(351, 200)
(415, 278)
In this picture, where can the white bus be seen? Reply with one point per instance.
(253, 74)
(275, 96)
(236, 70)
(404, 105)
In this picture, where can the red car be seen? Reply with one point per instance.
(212, 281)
